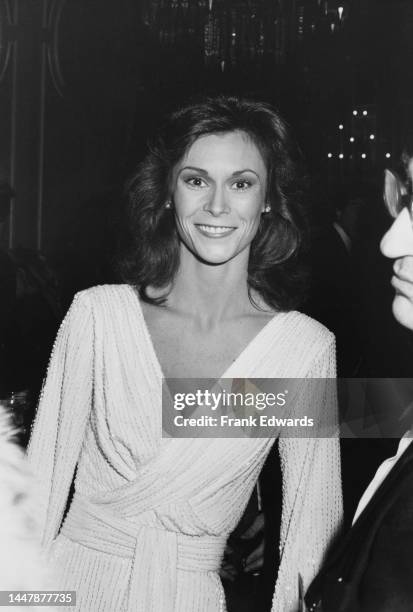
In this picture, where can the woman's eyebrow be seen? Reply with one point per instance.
(205, 173)
(194, 169)
(238, 172)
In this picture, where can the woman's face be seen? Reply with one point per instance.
(218, 193)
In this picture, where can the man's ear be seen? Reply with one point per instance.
(393, 191)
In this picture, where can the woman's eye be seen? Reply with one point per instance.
(195, 181)
(241, 185)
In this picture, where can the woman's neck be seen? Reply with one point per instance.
(211, 293)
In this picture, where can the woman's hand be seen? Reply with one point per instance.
(255, 535)
(244, 553)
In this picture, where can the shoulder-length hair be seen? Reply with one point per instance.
(150, 255)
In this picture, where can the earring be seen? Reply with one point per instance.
(168, 204)
(267, 209)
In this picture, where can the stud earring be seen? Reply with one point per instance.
(267, 209)
(168, 204)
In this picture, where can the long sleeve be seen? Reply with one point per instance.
(62, 414)
(312, 494)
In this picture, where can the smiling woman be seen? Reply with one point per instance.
(224, 156)
(219, 196)
(215, 220)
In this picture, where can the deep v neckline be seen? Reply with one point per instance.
(155, 360)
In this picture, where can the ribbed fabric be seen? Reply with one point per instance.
(149, 519)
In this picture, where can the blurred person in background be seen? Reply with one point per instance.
(22, 565)
(30, 310)
(8, 284)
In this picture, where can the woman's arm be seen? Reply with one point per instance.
(63, 410)
(312, 495)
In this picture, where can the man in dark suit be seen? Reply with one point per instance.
(371, 568)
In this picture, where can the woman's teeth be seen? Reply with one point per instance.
(213, 229)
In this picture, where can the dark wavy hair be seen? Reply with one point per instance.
(150, 254)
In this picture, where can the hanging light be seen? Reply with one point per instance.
(363, 155)
(341, 126)
(355, 113)
(372, 136)
(341, 156)
(340, 11)
(352, 139)
(329, 155)
(388, 155)
(364, 112)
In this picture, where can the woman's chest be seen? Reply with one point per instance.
(186, 352)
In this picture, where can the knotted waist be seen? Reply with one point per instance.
(155, 552)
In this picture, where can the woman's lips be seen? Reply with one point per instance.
(215, 231)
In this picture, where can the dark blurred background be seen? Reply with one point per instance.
(82, 86)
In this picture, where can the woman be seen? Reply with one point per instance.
(215, 216)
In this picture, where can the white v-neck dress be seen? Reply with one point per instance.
(148, 522)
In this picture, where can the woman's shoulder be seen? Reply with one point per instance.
(307, 346)
(109, 292)
(102, 296)
(303, 328)
(110, 305)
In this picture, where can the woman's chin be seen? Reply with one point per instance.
(214, 259)
(215, 255)
(403, 311)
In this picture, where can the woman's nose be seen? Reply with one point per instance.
(398, 241)
(217, 203)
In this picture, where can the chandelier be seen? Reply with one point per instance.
(322, 16)
(229, 32)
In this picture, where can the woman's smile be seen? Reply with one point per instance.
(215, 231)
